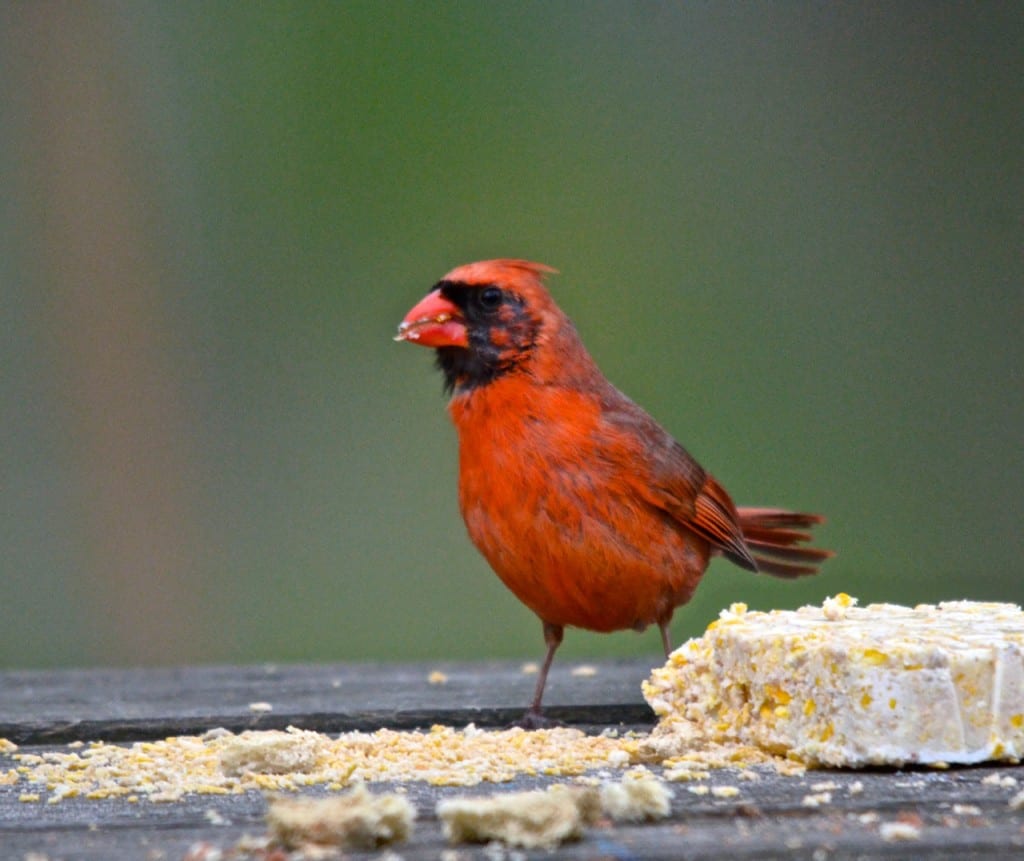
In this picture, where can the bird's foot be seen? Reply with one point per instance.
(534, 719)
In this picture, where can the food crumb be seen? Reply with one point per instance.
(356, 820)
(618, 758)
(725, 791)
(827, 786)
(893, 832)
(28, 797)
(437, 678)
(699, 790)
(7, 746)
(214, 817)
(260, 707)
(642, 800)
(540, 819)
(272, 752)
(1017, 802)
(856, 788)
(530, 668)
(834, 609)
(817, 799)
(1005, 781)
(584, 670)
(966, 810)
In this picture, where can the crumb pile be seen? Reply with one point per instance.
(221, 762)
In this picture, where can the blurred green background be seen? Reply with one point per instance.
(791, 231)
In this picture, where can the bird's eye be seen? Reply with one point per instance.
(490, 298)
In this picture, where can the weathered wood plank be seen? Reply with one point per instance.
(959, 814)
(131, 704)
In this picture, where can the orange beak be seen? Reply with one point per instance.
(434, 322)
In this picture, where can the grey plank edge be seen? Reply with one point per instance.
(592, 718)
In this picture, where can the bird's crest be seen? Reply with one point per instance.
(502, 269)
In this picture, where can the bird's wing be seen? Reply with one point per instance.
(666, 476)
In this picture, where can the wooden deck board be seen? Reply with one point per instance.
(959, 814)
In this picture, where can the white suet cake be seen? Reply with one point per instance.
(841, 685)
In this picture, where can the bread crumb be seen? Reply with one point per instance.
(966, 810)
(1017, 802)
(356, 820)
(643, 800)
(699, 790)
(260, 707)
(834, 609)
(618, 758)
(856, 788)
(530, 668)
(7, 746)
(1005, 781)
(725, 791)
(272, 752)
(437, 678)
(584, 670)
(679, 774)
(892, 832)
(531, 820)
(214, 817)
(817, 799)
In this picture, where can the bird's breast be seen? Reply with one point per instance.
(547, 497)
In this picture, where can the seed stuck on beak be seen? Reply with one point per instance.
(435, 321)
(410, 330)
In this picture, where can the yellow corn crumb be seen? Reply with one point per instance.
(437, 678)
(866, 700)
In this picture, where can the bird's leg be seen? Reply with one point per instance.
(666, 636)
(533, 719)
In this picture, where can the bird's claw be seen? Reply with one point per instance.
(534, 719)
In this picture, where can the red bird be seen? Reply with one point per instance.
(585, 507)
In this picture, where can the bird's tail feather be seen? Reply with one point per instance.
(774, 537)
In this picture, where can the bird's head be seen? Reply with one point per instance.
(484, 319)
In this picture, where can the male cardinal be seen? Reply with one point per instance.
(585, 507)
